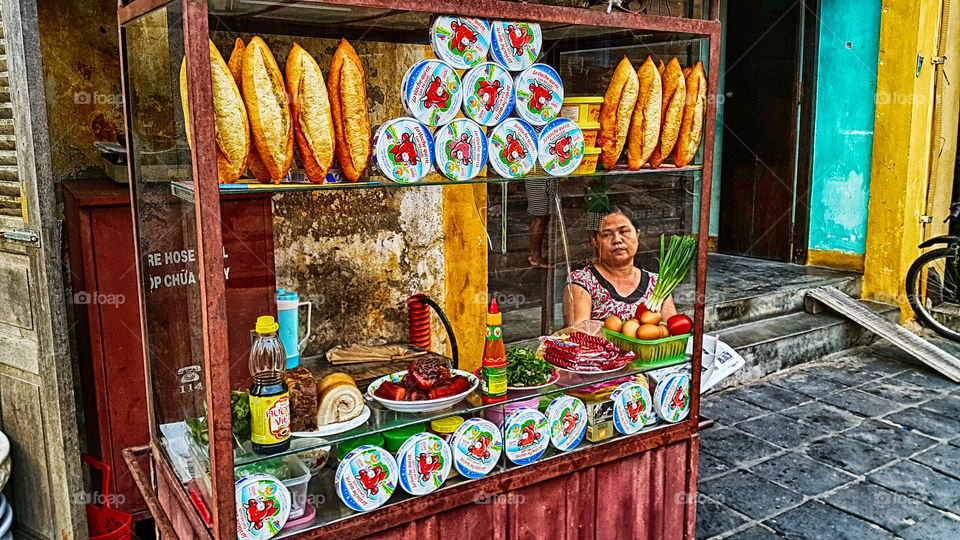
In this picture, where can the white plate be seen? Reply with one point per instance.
(427, 405)
(589, 372)
(339, 427)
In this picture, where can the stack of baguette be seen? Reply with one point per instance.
(655, 111)
(260, 112)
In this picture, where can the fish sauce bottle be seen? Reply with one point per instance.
(493, 368)
(269, 395)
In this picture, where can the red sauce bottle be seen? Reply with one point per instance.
(493, 369)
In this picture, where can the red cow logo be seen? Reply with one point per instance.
(426, 464)
(519, 38)
(540, 95)
(528, 435)
(679, 398)
(569, 421)
(436, 95)
(257, 510)
(460, 149)
(371, 478)
(463, 35)
(405, 151)
(633, 410)
(513, 150)
(561, 149)
(489, 92)
(480, 447)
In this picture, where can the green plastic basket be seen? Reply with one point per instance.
(651, 352)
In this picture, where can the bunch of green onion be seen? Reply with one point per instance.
(674, 264)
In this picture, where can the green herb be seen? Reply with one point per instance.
(240, 415)
(674, 265)
(525, 369)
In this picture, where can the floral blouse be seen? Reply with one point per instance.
(605, 299)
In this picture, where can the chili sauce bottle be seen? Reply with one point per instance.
(269, 395)
(493, 368)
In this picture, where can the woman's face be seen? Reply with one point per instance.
(616, 241)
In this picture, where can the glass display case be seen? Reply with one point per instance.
(210, 263)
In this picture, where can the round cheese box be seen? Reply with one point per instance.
(424, 460)
(512, 146)
(487, 94)
(366, 478)
(567, 416)
(671, 397)
(476, 447)
(515, 45)
(403, 150)
(526, 435)
(539, 94)
(632, 408)
(459, 41)
(263, 506)
(431, 92)
(460, 149)
(560, 147)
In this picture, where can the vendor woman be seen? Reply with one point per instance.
(612, 285)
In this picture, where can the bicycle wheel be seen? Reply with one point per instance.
(933, 290)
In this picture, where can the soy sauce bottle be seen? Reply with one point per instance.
(269, 395)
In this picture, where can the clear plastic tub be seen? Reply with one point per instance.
(297, 476)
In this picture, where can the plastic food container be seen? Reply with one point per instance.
(366, 478)
(526, 435)
(560, 147)
(588, 165)
(460, 149)
(393, 439)
(567, 417)
(585, 111)
(344, 448)
(252, 492)
(539, 92)
(459, 41)
(403, 150)
(424, 462)
(590, 132)
(515, 45)
(671, 398)
(290, 471)
(476, 447)
(488, 95)
(445, 427)
(653, 352)
(632, 408)
(497, 414)
(512, 147)
(431, 92)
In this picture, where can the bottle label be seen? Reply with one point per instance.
(494, 332)
(493, 381)
(270, 419)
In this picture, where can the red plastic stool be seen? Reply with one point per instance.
(104, 522)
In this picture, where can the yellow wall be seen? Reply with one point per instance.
(465, 264)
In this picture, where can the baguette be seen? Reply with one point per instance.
(312, 120)
(660, 68)
(615, 112)
(691, 129)
(645, 125)
(348, 100)
(671, 112)
(231, 127)
(254, 163)
(268, 107)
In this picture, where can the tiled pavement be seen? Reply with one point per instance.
(864, 444)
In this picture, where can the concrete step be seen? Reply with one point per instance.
(9, 173)
(8, 142)
(8, 157)
(6, 126)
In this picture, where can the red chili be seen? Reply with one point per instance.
(679, 325)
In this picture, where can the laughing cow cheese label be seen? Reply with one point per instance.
(403, 150)
(431, 92)
(513, 148)
(515, 45)
(424, 462)
(263, 506)
(671, 398)
(560, 147)
(459, 41)
(539, 94)
(567, 416)
(526, 435)
(461, 149)
(487, 94)
(476, 447)
(632, 408)
(366, 478)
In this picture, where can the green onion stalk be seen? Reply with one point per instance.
(674, 262)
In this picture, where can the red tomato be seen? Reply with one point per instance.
(679, 325)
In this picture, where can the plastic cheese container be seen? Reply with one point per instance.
(460, 149)
(526, 435)
(403, 150)
(512, 147)
(515, 45)
(567, 417)
(560, 147)
(424, 461)
(254, 494)
(585, 111)
(671, 397)
(295, 476)
(460, 41)
(539, 92)
(632, 408)
(590, 132)
(476, 447)
(366, 478)
(431, 92)
(588, 165)
(487, 94)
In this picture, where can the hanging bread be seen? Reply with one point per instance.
(312, 120)
(254, 163)
(616, 111)
(231, 128)
(645, 125)
(671, 112)
(340, 400)
(268, 107)
(348, 100)
(695, 106)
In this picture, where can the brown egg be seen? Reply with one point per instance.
(650, 317)
(664, 331)
(648, 332)
(630, 328)
(613, 323)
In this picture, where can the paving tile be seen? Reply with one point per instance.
(944, 459)
(948, 405)
(938, 526)
(849, 375)
(800, 473)
(890, 510)
(808, 384)
(887, 358)
(755, 533)
(749, 494)
(926, 421)
(714, 518)
(815, 521)
(927, 378)
(825, 417)
(709, 466)
(859, 402)
(781, 430)
(897, 390)
(897, 441)
(768, 396)
(727, 410)
(915, 480)
(850, 455)
(735, 446)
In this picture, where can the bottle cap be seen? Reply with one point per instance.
(266, 325)
(494, 317)
(446, 425)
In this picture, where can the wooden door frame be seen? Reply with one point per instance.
(810, 48)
